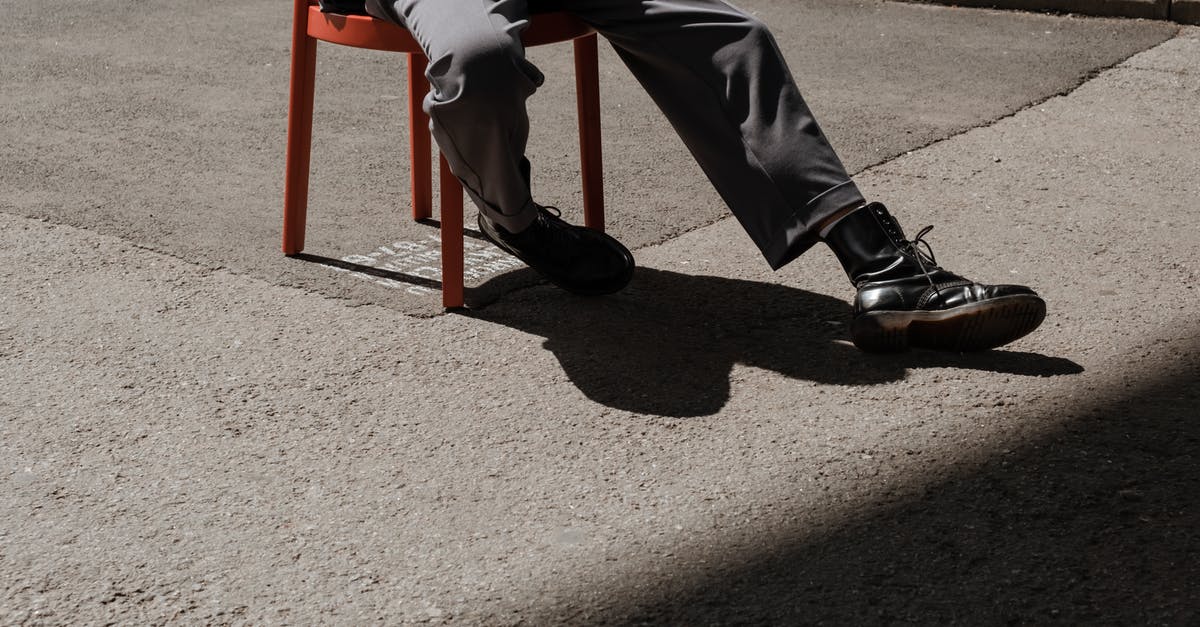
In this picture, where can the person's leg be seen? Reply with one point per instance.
(718, 76)
(480, 81)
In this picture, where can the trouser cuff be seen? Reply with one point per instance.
(511, 222)
(802, 230)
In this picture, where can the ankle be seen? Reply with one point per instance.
(868, 243)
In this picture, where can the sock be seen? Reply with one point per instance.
(824, 232)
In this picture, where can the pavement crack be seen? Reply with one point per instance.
(1158, 70)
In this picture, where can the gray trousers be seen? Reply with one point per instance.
(715, 72)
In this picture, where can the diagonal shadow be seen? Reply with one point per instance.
(475, 297)
(667, 344)
(369, 270)
(1096, 522)
(467, 231)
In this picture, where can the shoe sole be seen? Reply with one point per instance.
(974, 327)
(569, 288)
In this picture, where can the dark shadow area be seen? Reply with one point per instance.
(363, 269)
(1096, 522)
(667, 343)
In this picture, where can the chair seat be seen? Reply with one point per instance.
(364, 31)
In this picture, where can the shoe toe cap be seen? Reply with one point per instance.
(1000, 291)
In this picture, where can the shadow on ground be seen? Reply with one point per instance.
(667, 344)
(1098, 522)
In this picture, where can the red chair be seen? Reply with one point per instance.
(311, 25)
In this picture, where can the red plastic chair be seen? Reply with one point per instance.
(310, 26)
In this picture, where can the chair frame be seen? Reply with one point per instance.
(310, 25)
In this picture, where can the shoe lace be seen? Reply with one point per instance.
(924, 255)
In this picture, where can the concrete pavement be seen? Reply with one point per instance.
(185, 440)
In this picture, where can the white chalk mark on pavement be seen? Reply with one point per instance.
(423, 259)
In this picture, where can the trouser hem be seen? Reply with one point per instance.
(798, 234)
(517, 222)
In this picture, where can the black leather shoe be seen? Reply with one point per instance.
(905, 300)
(578, 259)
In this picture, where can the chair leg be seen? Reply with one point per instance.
(452, 237)
(299, 132)
(420, 164)
(587, 95)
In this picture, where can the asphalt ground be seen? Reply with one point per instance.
(186, 440)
